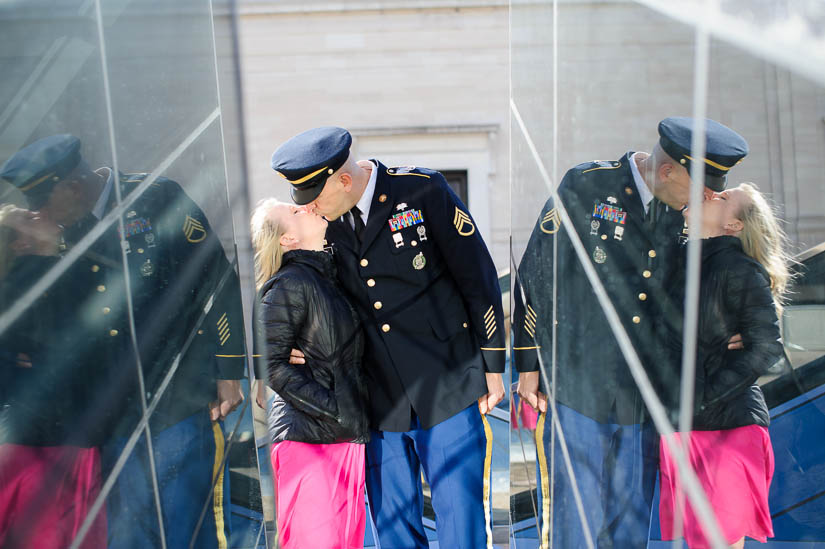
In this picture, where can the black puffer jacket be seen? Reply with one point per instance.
(324, 400)
(735, 297)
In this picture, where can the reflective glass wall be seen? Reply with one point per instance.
(123, 342)
(620, 316)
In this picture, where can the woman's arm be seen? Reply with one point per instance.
(748, 295)
(284, 311)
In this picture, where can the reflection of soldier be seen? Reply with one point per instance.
(174, 264)
(410, 257)
(627, 215)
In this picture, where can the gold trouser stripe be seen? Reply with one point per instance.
(488, 461)
(545, 483)
(217, 494)
(526, 348)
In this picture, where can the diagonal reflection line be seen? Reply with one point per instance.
(524, 460)
(144, 420)
(691, 484)
(748, 37)
(45, 282)
(551, 401)
(35, 75)
(127, 282)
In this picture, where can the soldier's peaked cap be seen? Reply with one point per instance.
(309, 158)
(724, 148)
(37, 167)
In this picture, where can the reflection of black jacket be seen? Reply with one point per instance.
(323, 401)
(735, 297)
(634, 257)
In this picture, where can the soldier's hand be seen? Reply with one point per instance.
(260, 394)
(296, 357)
(495, 392)
(229, 397)
(528, 390)
(735, 342)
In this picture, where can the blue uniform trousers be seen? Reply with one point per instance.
(615, 467)
(187, 455)
(455, 456)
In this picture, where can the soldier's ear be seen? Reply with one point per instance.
(664, 171)
(346, 181)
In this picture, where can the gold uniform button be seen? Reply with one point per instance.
(604, 237)
(113, 333)
(371, 282)
(651, 253)
(140, 250)
(106, 310)
(200, 332)
(377, 304)
(414, 243)
(636, 320)
(385, 328)
(95, 268)
(642, 296)
(465, 324)
(646, 273)
(364, 262)
(101, 288)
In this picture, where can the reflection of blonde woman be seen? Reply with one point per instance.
(744, 274)
(317, 422)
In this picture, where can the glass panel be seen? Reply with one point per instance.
(138, 312)
(592, 81)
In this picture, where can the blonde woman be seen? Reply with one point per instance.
(317, 421)
(744, 276)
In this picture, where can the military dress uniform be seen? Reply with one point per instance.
(183, 300)
(427, 293)
(636, 251)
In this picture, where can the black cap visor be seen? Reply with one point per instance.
(306, 194)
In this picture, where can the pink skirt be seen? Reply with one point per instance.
(319, 495)
(45, 494)
(735, 468)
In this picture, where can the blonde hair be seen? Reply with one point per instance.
(267, 230)
(7, 236)
(764, 240)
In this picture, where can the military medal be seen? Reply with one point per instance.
(618, 233)
(594, 227)
(150, 239)
(131, 214)
(612, 199)
(147, 269)
(398, 239)
(599, 255)
(422, 233)
(401, 206)
(419, 261)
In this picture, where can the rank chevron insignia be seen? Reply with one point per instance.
(490, 322)
(463, 223)
(551, 217)
(194, 230)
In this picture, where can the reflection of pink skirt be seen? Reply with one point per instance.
(735, 468)
(45, 494)
(319, 495)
